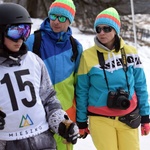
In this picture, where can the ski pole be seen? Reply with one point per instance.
(67, 123)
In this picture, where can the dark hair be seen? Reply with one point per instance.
(117, 43)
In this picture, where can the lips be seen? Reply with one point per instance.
(102, 38)
(56, 27)
(18, 45)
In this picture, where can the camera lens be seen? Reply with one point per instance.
(123, 102)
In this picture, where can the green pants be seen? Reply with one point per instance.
(60, 142)
(111, 134)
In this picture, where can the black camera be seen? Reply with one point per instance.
(118, 100)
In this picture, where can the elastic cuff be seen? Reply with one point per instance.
(82, 125)
(145, 119)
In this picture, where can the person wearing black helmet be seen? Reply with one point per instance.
(29, 109)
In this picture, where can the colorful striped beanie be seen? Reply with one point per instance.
(109, 17)
(63, 7)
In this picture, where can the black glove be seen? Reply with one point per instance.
(2, 121)
(83, 129)
(68, 130)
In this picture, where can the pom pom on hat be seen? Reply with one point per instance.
(63, 7)
(109, 17)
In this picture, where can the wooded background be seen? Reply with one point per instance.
(87, 10)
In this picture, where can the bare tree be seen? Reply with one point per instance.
(86, 10)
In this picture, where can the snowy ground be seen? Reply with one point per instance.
(87, 41)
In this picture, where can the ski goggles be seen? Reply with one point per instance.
(61, 19)
(16, 32)
(106, 29)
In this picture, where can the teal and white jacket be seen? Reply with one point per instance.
(92, 90)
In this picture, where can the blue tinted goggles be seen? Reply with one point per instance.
(16, 32)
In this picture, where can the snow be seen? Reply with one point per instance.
(87, 41)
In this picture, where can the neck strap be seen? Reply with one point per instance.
(124, 63)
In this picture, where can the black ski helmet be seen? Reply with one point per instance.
(11, 13)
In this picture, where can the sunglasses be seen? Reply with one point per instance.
(61, 19)
(106, 29)
(16, 32)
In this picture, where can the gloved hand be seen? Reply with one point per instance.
(68, 130)
(2, 121)
(83, 129)
(83, 133)
(145, 128)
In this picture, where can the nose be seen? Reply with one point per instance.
(19, 41)
(56, 21)
(102, 32)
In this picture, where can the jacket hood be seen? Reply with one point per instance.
(105, 49)
(112, 55)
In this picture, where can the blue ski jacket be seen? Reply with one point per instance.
(92, 90)
(56, 52)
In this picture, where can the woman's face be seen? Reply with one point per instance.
(13, 46)
(106, 35)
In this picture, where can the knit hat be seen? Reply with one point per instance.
(109, 17)
(63, 7)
